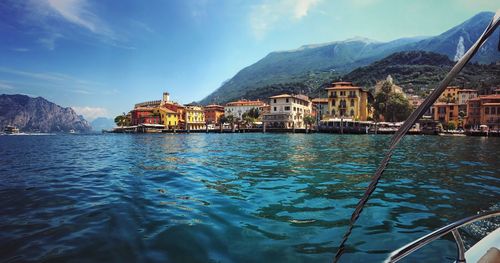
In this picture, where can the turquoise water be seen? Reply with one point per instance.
(234, 197)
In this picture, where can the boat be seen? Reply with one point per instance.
(11, 130)
(488, 248)
(72, 131)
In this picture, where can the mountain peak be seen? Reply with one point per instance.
(38, 114)
(314, 63)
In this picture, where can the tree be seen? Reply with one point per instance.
(381, 98)
(397, 108)
(122, 120)
(451, 126)
(309, 120)
(253, 113)
(391, 105)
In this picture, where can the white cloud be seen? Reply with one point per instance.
(20, 49)
(79, 13)
(302, 7)
(5, 86)
(57, 80)
(265, 16)
(51, 18)
(91, 113)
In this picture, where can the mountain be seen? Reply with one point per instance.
(102, 123)
(334, 59)
(454, 42)
(420, 70)
(38, 114)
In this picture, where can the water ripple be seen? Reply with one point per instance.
(234, 197)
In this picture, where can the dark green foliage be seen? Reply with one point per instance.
(122, 120)
(393, 106)
(451, 126)
(421, 71)
(398, 108)
(312, 65)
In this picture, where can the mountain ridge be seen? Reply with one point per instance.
(341, 57)
(31, 114)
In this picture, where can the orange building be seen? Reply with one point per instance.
(484, 110)
(319, 108)
(213, 113)
(449, 95)
(445, 113)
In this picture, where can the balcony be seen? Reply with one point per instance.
(333, 96)
(353, 96)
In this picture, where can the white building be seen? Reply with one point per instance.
(237, 108)
(288, 111)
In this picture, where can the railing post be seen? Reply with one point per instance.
(460, 246)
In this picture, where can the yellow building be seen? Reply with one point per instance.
(449, 95)
(169, 118)
(348, 101)
(195, 117)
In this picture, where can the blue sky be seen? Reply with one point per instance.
(101, 57)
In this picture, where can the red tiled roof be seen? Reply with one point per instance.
(167, 110)
(246, 103)
(299, 96)
(143, 109)
(445, 104)
(492, 96)
(320, 100)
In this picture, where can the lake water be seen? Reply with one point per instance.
(234, 197)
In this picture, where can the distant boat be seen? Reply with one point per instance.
(72, 131)
(11, 130)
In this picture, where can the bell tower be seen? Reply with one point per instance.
(165, 98)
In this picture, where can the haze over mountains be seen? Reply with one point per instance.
(311, 65)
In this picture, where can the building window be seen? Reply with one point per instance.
(343, 104)
(487, 110)
(493, 110)
(333, 103)
(287, 108)
(294, 109)
(352, 102)
(342, 93)
(333, 112)
(275, 107)
(352, 112)
(274, 100)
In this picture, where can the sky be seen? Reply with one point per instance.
(102, 57)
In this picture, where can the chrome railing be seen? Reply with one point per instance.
(453, 228)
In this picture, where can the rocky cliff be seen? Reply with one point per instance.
(39, 115)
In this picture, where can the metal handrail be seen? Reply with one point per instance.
(453, 228)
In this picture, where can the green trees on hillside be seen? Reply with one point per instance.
(391, 105)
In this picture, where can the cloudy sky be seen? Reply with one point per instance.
(100, 57)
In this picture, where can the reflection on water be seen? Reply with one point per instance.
(234, 197)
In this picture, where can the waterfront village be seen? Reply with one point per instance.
(345, 109)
